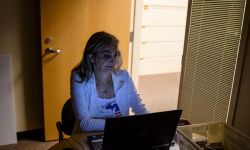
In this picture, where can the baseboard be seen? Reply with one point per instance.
(36, 134)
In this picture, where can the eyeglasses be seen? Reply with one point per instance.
(108, 54)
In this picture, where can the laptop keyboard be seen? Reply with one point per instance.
(95, 141)
(97, 145)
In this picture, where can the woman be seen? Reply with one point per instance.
(99, 87)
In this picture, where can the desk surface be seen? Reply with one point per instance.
(79, 142)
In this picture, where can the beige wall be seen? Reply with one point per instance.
(20, 37)
(242, 121)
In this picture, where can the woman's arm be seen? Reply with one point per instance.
(134, 98)
(80, 104)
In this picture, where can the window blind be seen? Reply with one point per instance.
(211, 47)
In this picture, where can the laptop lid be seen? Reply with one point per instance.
(153, 131)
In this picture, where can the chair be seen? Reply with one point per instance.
(67, 123)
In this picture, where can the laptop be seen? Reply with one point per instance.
(153, 131)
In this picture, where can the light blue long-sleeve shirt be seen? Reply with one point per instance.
(91, 111)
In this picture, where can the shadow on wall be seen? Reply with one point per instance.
(31, 62)
(20, 37)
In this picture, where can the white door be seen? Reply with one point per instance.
(160, 31)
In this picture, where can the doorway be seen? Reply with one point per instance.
(159, 30)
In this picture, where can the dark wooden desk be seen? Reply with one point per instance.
(76, 142)
(79, 142)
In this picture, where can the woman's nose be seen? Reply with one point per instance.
(112, 59)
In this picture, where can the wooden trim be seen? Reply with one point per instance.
(240, 65)
(184, 51)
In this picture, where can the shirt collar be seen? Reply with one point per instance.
(118, 81)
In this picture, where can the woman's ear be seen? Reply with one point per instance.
(91, 58)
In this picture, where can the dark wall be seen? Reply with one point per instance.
(20, 37)
(242, 120)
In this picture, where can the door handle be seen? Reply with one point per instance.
(50, 50)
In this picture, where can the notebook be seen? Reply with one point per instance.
(153, 131)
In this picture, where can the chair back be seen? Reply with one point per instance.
(68, 118)
(67, 123)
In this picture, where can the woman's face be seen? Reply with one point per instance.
(106, 59)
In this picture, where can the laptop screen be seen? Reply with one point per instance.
(148, 131)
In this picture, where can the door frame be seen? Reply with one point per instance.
(136, 21)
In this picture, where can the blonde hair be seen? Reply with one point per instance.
(95, 44)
